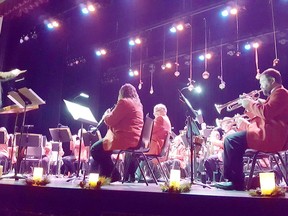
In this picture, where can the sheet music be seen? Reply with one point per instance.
(81, 113)
(32, 96)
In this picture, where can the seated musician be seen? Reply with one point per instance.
(49, 159)
(178, 156)
(213, 162)
(69, 161)
(161, 128)
(4, 151)
(125, 123)
(267, 131)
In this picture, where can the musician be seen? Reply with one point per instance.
(267, 131)
(68, 161)
(213, 162)
(4, 151)
(5, 76)
(161, 128)
(125, 124)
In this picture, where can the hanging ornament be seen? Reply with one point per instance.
(140, 85)
(177, 73)
(205, 75)
(151, 90)
(151, 81)
(276, 60)
(222, 85)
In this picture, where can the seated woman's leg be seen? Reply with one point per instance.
(103, 159)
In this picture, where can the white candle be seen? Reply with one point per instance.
(93, 179)
(267, 183)
(37, 173)
(175, 178)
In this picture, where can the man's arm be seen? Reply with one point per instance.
(10, 74)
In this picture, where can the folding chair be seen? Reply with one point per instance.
(139, 151)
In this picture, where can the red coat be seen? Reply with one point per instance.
(125, 122)
(161, 128)
(268, 131)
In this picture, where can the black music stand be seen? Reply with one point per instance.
(84, 115)
(60, 135)
(34, 141)
(2, 137)
(23, 98)
(192, 130)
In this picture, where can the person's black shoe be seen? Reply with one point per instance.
(230, 186)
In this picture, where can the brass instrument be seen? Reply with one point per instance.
(233, 105)
(219, 122)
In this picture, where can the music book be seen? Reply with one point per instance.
(24, 97)
(61, 134)
(81, 113)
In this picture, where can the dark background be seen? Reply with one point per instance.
(48, 57)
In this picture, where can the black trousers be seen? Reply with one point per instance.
(234, 149)
(102, 161)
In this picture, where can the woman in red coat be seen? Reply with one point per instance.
(267, 131)
(125, 123)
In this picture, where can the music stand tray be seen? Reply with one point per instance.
(28, 139)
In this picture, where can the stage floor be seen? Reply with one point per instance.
(67, 198)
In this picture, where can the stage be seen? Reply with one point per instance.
(67, 198)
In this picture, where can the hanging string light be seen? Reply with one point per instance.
(205, 74)
(177, 73)
(163, 66)
(256, 46)
(140, 70)
(238, 53)
(276, 60)
(222, 84)
(190, 83)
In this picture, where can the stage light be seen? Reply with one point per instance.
(208, 56)
(233, 11)
(101, 52)
(173, 29)
(91, 8)
(85, 10)
(21, 40)
(82, 94)
(198, 89)
(26, 38)
(168, 65)
(51, 24)
(136, 73)
(201, 57)
(247, 46)
(163, 67)
(180, 27)
(131, 43)
(137, 41)
(205, 75)
(131, 74)
(255, 45)
(225, 13)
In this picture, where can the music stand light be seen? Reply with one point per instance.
(84, 115)
(60, 135)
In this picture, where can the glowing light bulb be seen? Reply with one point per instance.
(163, 67)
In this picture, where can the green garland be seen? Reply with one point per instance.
(184, 188)
(101, 182)
(31, 182)
(277, 192)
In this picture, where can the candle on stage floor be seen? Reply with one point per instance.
(267, 183)
(93, 179)
(37, 173)
(175, 178)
